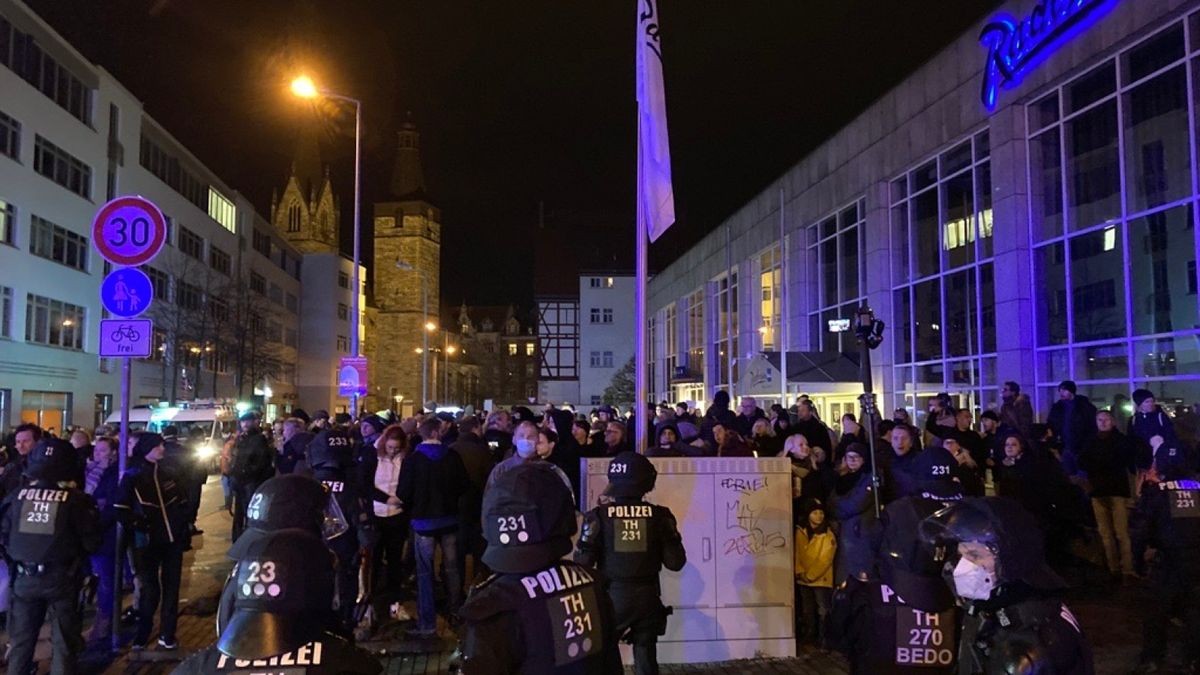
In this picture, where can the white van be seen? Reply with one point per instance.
(217, 419)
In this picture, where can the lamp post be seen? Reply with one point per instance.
(447, 350)
(304, 87)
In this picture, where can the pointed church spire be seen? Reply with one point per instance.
(306, 162)
(408, 180)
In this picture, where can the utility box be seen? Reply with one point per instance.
(734, 599)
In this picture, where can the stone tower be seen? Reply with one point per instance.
(307, 214)
(408, 234)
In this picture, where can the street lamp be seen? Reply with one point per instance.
(304, 87)
(447, 350)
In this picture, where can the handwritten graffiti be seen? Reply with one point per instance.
(750, 538)
(744, 485)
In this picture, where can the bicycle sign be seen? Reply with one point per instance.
(129, 231)
(126, 337)
(126, 292)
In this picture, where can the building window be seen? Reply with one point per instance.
(670, 341)
(528, 349)
(160, 282)
(53, 322)
(191, 243)
(219, 260)
(834, 250)
(50, 410)
(596, 400)
(222, 210)
(274, 331)
(262, 243)
(218, 310)
(343, 280)
(20, 53)
(258, 284)
(695, 331)
(293, 218)
(290, 303)
(275, 294)
(726, 340)
(512, 349)
(169, 170)
(52, 242)
(6, 309)
(61, 167)
(10, 137)
(770, 284)
(8, 223)
(289, 337)
(594, 282)
(594, 359)
(103, 408)
(343, 344)
(606, 360)
(188, 296)
(601, 315)
(343, 312)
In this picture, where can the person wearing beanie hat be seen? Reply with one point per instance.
(320, 420)
(852, 505)
(630, 540)
(48, 528)
(538, 613)
(1149, 421)
(284, 581)
(1073, 419)
(1164, 531)
(253, 462)
(151, 502)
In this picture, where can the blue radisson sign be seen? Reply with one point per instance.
(1015, 46)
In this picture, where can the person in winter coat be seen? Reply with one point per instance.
(151, 502)
(1073, 419)
(1149, 421)
(100, 480)
(432, 479)
(748, 414)
(852, 506)
(763, 439)
(379, 477)
(812, 427)
(253, 462)
(810, 479)
(668, 444)
(1036, 480)
(1015, 409)
(295, 442)
(966, 471)
(717, 413)
(816, 547)
(1109, 461)
(730, 443)
(901, 467)
(478, 462)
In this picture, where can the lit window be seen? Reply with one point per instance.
(1110, 238)
(8, 223)
(608, 282)
(528, 349)
(222, 210)
(512, 349)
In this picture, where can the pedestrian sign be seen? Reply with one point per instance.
(126, 292)
(129, 231)
(126, 337)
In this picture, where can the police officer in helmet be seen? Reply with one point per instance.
(630, 540)
(904, 620)
(537, 613)
(48, 527)
(1164, 531)
(283, 580)
(1015, 620)
(331, 457)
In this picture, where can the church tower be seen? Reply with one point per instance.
(408, 235)
(307, 214)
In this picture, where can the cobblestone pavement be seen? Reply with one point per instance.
(1106, 616)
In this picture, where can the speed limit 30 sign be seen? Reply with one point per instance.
(129, 231)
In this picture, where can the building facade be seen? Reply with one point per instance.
(606, 331)
(1012, 210)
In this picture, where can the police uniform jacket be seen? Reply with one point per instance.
(1021, 630)
(328, 656)
(152, 499)
(554, 620)
(343, 485)
(631, 541)
(1167, 518)
(45, 524)
(882, 634)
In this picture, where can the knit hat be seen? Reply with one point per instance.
(990, 415)
(1140, 395)
(146, 442)
(1069, 385)
(857, 449)
(376, 423)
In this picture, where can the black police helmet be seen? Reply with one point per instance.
(528, 519)
(331, 449)
(630, 475)
(53, 460)
(1006, 528)
(289, 501)
(912, 567)
(284, 580)
(1170, 462)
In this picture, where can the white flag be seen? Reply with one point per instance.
(656, 197)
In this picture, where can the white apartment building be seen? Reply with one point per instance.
(606, 331)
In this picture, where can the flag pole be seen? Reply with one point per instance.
(639, 309)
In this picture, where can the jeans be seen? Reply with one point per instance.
(426, 608)
(103, 566)
(159, 570)
(1112, 517)
(389, 568)
(227, 490)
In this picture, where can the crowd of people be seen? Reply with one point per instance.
(404, 503)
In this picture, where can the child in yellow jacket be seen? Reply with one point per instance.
(815, 548)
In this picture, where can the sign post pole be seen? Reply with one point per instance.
(122, 461)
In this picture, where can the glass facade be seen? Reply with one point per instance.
(1113, 187)
(770, 283)
(836, 275)
(943, 299)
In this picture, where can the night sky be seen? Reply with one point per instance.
(518, 103)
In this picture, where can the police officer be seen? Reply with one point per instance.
(1165, 534)
(1016, 621)
(284, 579)
(331, 456)
(630, 540)
(48, 527)
(289, 501)
(537, 613)
(903, 621)
(253, 463)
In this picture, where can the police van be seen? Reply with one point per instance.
(216, 419)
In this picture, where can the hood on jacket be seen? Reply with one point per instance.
(434, 451)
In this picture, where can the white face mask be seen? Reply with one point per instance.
(972, 581)
(525, 447)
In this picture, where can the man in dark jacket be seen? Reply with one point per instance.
(748, 413)
(1108, 459)
(25, 438)
(1147, 422)
(717, 413)
(253, 463)
(1073, 419)
(295, 441)
(812, 428)
(432, 479)
(1015, 409)
(477, 460)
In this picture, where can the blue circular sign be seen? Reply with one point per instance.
(126, 292)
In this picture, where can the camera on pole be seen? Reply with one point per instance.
(868, 331)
